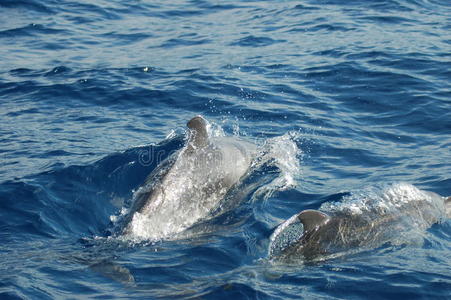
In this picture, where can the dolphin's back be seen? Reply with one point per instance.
(190, 186)
(397, 213)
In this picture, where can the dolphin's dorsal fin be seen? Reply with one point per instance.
(198, 135)
(312, 219)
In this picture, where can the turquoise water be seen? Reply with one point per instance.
(346, 95)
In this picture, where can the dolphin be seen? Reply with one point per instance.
(380, 217)
(189, 185)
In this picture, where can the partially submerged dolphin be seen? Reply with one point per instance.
(189, 185)
(381, 216)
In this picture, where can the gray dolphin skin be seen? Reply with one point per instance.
(392, 214)
(189, 185)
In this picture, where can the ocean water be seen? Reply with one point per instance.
(343, 95)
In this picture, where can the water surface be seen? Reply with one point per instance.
(362, 90)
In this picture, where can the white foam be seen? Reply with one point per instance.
(282, 152)
(412, 208)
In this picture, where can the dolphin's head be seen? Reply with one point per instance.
(285, 236)
(292, 235)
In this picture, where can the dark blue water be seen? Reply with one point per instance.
(362, 88)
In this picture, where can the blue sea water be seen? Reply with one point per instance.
(362, 89)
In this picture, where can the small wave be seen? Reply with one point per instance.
(28, 4)
(30, 30)
(255, 41)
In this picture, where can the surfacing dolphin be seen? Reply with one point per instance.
(191, 184)
(365, 221)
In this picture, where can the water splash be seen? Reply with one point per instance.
(283, 153)
(388, 198)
